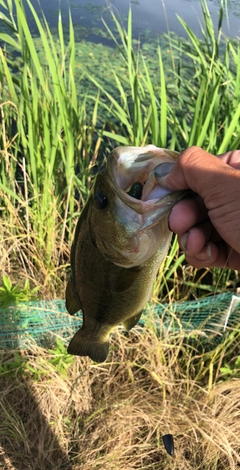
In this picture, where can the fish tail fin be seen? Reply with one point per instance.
(83, 345)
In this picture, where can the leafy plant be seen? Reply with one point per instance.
(15, 364)
(10, 294)
(60, 359)
(229, 371)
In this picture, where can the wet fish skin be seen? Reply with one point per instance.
(103, 288)
(107, 282)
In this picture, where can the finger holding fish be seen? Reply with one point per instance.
(215, 181)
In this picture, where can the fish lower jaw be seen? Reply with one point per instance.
(137, 256)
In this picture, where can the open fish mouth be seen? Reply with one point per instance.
(132, 176)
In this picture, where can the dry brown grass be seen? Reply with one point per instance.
(113, 415)
(25, 253)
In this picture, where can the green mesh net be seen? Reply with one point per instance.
(42, 321)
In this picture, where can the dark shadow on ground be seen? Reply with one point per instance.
(27, 441)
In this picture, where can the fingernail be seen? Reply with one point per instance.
(209, 251)
(163, 169)
(205, 254)
(183, 241)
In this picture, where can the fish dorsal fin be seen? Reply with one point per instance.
(73, 303)
(126, 278)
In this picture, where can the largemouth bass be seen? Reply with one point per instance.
(121, 239)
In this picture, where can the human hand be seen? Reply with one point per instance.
(208, 223)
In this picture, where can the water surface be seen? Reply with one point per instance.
(153, 16)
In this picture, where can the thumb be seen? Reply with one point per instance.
(197, 170)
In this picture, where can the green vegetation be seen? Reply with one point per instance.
(13, 295)
(63, 106)
(59, 119)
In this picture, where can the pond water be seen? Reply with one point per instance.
(149, 16)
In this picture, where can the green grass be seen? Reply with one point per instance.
(59, 118)
(197, 103)
(53, 138)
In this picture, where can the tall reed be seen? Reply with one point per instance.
(53, 129)
(46, 137)
(196, 102)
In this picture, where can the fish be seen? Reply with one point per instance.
(121, 239)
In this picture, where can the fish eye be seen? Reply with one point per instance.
(100, 201)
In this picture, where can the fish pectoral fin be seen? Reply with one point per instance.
(83, 345)
(132, 321)
(73, 303)
(126, 278)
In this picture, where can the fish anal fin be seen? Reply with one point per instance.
(126, 278)
(73, 303)
(83, 345)
(132, 321)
